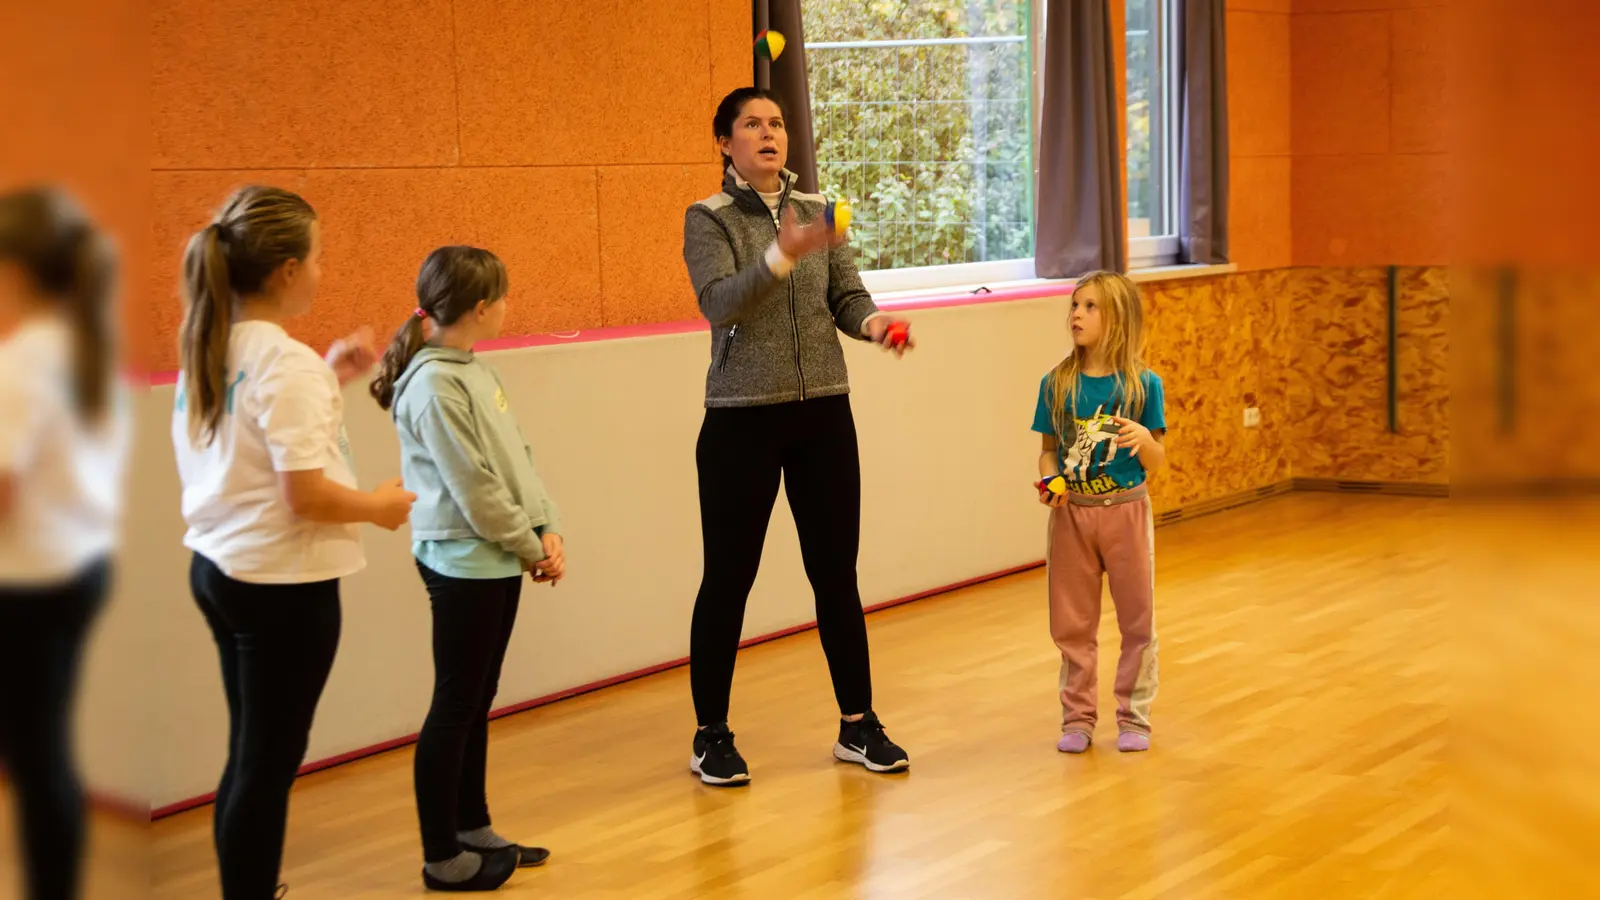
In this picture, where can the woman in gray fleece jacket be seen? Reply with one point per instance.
(482, 519)
(778, 286)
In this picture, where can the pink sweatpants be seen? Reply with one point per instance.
(1115, 537)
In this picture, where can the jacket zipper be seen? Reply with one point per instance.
(727, 347)
(794, 318)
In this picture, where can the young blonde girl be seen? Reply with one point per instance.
(483, 518)
(270, 498)
(1101, 415)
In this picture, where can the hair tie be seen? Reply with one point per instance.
(421, 313)
(219, 230)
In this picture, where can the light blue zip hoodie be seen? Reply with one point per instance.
(463, 454)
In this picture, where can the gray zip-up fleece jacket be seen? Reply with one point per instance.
(463, 454)
(773, 339)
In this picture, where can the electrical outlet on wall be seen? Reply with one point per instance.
(1252, 417)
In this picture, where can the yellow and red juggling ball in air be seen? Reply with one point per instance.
(770, 44)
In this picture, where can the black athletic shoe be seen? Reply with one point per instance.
(715, 760)
(864, 742)
(496, 870)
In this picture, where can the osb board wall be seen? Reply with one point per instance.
(1220, 344)
(1338, 376)
(1526, 410)
(1308, 347)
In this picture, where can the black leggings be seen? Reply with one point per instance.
(472, 622)
(740, 455)
(276, 643)
(42, 632)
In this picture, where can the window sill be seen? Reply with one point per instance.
(1029, 288)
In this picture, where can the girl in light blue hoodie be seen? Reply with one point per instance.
(481, 520)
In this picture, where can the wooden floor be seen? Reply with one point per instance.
(118, 851)
(1299, 750)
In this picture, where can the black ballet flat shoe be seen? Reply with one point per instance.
(527, 857)
(496, 871)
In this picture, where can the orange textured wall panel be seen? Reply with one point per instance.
(1420, 223)
(1345, 6)
(1259, 205)
(732, 65)
(1283, 7)
(1341, 210)
(1341, 83)
(1259, 124)
(1420, 116)
(1258, 84)
(301, 83)
(416, 124)
(545, 225)
(1338, 379)
(377, 227)
(552, 82)
(641, 243)
(76, 116)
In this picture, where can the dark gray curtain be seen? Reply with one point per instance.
(1203, 178)
(787, 78)
(1080, 224)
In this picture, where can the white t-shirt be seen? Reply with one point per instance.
(282, 413)
(67, 473)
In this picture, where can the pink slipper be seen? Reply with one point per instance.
(1073, 742)
(1133, 742)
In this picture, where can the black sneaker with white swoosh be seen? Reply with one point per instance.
(865, 743)
(715, 759)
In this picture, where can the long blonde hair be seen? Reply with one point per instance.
(257, 230)
(1123, 342)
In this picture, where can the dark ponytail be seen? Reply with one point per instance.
(257, 230)
(407, 341)
(74, 268)
(452, 282)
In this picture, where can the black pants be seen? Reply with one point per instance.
(42, 632)
(740, 455)
(472, 622)
(276, 643)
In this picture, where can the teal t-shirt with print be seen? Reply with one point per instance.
(1090, 461)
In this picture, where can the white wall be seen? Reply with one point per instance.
(946, 460)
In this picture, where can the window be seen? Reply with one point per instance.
(1153, 133)
(922, 113)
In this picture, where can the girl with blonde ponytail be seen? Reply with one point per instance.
(270, 497)
(1101, 415)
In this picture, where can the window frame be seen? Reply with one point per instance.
(1163, 249)
(1145, 253)
(951, 275)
